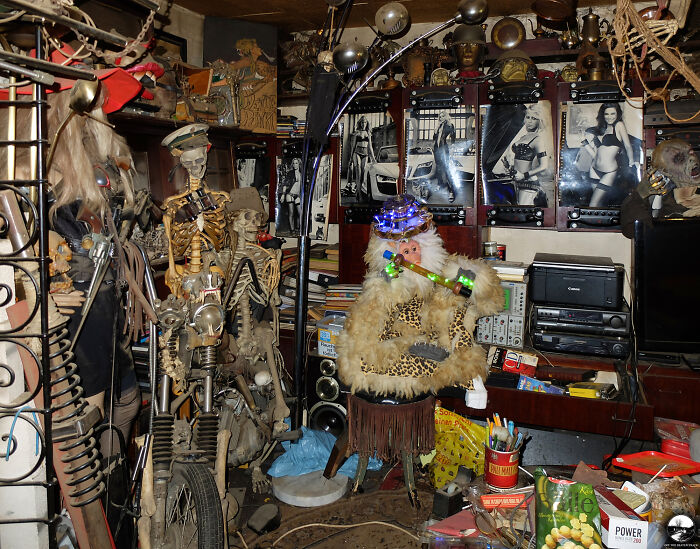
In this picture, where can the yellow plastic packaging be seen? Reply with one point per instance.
(458, 441)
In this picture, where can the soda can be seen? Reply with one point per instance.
(501, 249)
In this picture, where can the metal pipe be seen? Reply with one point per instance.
(36, 76)
(208, 405)
(164, 407)
(47, 66)
(17, 230)
(33, 8)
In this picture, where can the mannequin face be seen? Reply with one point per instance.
(468, 55)
(410, 250)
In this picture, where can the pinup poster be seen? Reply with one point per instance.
(441, 155)
(601, 153)
(288, 207)
(253, 169)
(517, 154)
(369, 158)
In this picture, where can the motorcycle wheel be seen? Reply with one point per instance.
(193, 517)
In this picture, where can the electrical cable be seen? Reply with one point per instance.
(344, 526)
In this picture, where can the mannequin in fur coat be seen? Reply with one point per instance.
(407, 336)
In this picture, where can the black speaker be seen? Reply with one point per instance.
(326, 396)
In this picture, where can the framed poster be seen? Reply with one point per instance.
(320, 199)
(517, 154)
(288, 194)
(253, 169)
(440, 154)
(601, 153)
(369, 158)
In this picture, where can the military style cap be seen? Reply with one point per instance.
(188, 137)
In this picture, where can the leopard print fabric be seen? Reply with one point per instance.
(406, 366)
(457, 330)
(409, 313)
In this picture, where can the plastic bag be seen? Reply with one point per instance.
(566, 512)
(311, 453)
(458, 441)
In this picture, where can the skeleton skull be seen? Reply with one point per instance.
(195, 162)
(246, 223)
(677, 159)
(60, 254)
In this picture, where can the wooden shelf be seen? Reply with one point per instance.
(151, 125)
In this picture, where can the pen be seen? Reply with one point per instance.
(511, 427)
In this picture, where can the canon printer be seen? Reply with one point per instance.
(576, 280)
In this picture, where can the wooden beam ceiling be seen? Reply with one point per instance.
(298, 15)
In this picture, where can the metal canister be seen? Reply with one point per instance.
(491, 250)
(501, 249)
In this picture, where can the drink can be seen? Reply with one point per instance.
(501, 249)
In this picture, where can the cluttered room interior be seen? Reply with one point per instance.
(339, 273)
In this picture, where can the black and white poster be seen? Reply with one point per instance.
(320, 199)
(441, 155)
(601, 153)
(517, 154)
(253, 169)
(288, 206)
(288, 196)
(369, 158)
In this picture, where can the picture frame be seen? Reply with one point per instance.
(601, 153)
(518, 162)
(440, 154)
(169, 45)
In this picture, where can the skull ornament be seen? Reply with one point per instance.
(60, 254)
(195, 162)
(246, 223)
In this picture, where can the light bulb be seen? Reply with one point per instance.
(391, 18)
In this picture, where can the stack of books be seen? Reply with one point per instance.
(339, 297)
(323, 272)
(289, 261)
(290, 126)
(511, 271)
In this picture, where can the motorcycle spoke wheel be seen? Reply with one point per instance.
(193, 510)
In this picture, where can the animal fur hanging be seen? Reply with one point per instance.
(376, 350)
(83, 144)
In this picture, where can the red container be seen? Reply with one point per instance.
(501, 468)
(675, 448)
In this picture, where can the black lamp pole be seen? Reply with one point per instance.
(324, 89)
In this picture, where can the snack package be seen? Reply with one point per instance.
(567, 513)
(458, 441)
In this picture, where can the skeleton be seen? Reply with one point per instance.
(254, 347)
(194, 220)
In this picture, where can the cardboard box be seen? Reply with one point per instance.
(526, 383)
(512, 361)
(622, 528)
(328, 329)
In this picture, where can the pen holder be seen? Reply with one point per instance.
(501, 469)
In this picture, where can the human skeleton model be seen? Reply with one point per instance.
(255, 280)
(194, 219)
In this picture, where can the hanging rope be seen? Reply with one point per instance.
(630, 32)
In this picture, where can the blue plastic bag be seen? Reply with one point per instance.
(311, 453)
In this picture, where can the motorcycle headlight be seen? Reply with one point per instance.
(208, 319)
